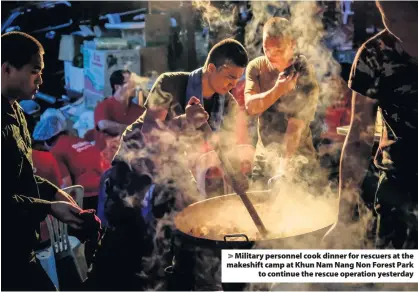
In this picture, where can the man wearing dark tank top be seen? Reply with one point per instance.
(385, 74)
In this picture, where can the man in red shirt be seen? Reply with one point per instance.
(115, 113)
(79, 160)
(45, 165)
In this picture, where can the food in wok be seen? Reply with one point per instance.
(283, 216)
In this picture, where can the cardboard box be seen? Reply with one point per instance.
(164, 6)
(69, 47)
(100, 64)
(74, 77)
(157, 29)
(154, 59)
(133, 32)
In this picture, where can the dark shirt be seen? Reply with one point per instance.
(169, 92)
(300, 103)
(383, 71)
(22, 192)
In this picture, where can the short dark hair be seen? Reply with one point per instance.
(277, 27)
(117, 78)
(227, 51)
(18, 48)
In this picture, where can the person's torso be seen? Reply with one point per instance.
(396, 89)
(83, 160)
(45, 166)
(179, 88)
(218, 108)
(18, 231)
(273, 122)
(171, 91)
(19, 159)
(100, 139)
(122, 114)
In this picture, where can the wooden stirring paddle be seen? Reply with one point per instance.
(238, 188)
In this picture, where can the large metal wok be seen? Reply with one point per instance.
(196, 254)
(226, 223)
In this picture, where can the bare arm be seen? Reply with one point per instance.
(307, 100)
(356, 152)
(256, 102)
(111, 127)
(292, 136)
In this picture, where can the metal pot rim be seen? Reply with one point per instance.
(204, 240)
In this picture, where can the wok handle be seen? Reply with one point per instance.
(236, 235)
(229, 172)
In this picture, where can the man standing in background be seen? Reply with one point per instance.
(282, 91)
(115, 113)
(384, 74)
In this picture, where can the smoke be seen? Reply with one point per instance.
(309, 32)
(220, 20)
(154, 265)
(262, 11)
(306, 22)
(216, 18)
(174, 189)
(297, 201)
(279, 209)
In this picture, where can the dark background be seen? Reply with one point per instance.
(42, 22)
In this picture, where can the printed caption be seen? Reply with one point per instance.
(319, 266)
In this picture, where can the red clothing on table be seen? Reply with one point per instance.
(112, 110)
(81, 160)
(337, 115)
(46, 166)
